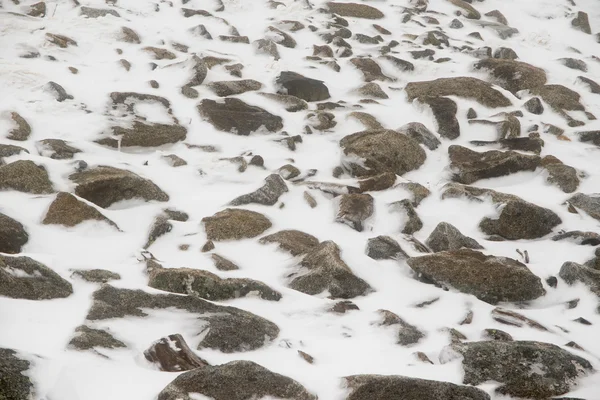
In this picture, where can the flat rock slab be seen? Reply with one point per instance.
(235, 116)
(25, 278)
(236, 380)
(489, 278)
(519, 219)
(355, 10)
(145, 135)
(235, 224)
(466, 87)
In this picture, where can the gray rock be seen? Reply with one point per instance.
(382, 151)
(86, 338)
(382, 181)
(288, 172)
(470, 166)
(290, 103)
(223, 264)
(489, 278)
(296, 242)
(13, 235)
(172, 354)
(68, 210)
(266, 46)
(373, 90)
(574, 63)
(105, 186)
(302, 87)
(582, 23)
(97, 12)
(370, 69)
(25, 278)
(534, 106)
(456, 190)
(572, 273)
(25, 176)
(385, 248)
(9, 150)
(413, 222)
(505, 53)
(421, 134)
(579, 237)
(266, 195)
(395, 387)
(145, 135)
(37, 10)
(14, 382)
(589, 203)
(227, 329)
(532, 370)
(235, 116)
(593, 85)
(513, 75)
(503, 31)
(281, 37)
(355, 209)
(590, 137)
(236, 380)
(96, 275)
(444, 110)
(561, 175)
(160, 227)
(521, 220)
(456, 24)
(323, 269)
(229, 88)
(469, 11)
(60, 40)
(408, 334)
(496, 334)
(22, 131)
(419, 192)
(466, 87)
(355, 10)
(56, 149)
(447, 237)
(206, 285)
(59, 92)
(128, 35)
(402, 65)
(235, 224)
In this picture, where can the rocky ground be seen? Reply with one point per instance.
(299, 199)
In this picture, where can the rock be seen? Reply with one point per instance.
(385, 248)
(590, 137)
(172, 354)
(229, 88)
(534, 106)
(97, 12)
(412, 222)
(145, 135)
(37, 10)
(394, 387)
(512, 318)
(419, 192)
(470, 166)
(25, 278)
(174, 160)
(496, 334)
(513, 75)
(370, 69)
(456, 24)
(282, 38)
(60, 40)
(372, 89)
(266, 195)
(160, 54)
(498, 16)
(15, 383)
(572, 273)
(521, 220)
(59, 92)
(56, 149)
(503, 31)
(563, 176)
(96, 275)
(23, 129)
(469, 10)
(105, 186)
(402, 65)
(377, 182)
(206, 285)
(355, 10)
(581, 23)
(579, 237)
(322, 269)
(593, 85)
(321, 120)
(489, 278)
(456, 190)
(199, 71)
(365, 39)
(236, 380)
(13, 235)
(235, 224)
(559, 97)
(447, 237)
(227, 329)
(235, 39)
(296, 242)
(354, 209)
(382, 151)
(589, 203)
(69, 211)
(288, 172)
(25, 176)
(421, 134)
(505, 53)
(128, 35)
(532, 370)
(290, 103)
(9, 150)
(444, 110)
(310, 200)
(532, 144)
(86, 338)
(470, 88)
(223, 264)
(574, 64)
(407, 334)
(267, 47)
(235, 116)
(160, 227)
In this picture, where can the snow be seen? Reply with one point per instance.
(341, 344)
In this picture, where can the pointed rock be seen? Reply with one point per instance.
(67, 210)
(267, 195)
(447, 237)
(13, 235)
(521, 220)
(25, 278)
(25, 176)
(296, 242)
(172, 354)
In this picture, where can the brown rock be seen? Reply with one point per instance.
(67, 210)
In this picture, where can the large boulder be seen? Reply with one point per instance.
(525, 369)
(235, 116)
(267, 195)
(324, 270)
(395, 387)
(354, 10)
(206, 285)
(68, 210)
(513, 75)
(227, 329)
(296, 242)
(470, 166)
(235, 224)
(25, 176)
(236, 380)
(381, 151)
(446, 237)
(105, 186)
(15, 384)
(304, 88)
(145, 135)
(25, 278)
(521, 220)
(470, 88)
(489, 278)
(13, 235)
(589, 203)
(572, 272)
